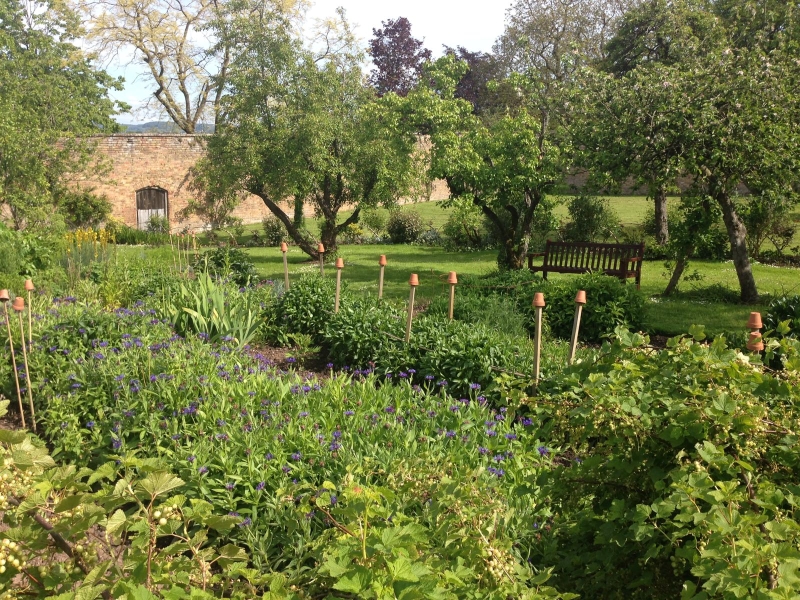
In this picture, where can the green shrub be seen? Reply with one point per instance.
(374, 220)
(83, 208)
(610, 304)
(784, 309)
(495, 311)
(466, 229)
(306, 307)
(591, 220)
(123, 234)
(274, 231)
(405, 226)
(227, 262)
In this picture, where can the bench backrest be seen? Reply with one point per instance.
(590, 256)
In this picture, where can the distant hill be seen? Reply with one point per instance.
(163, 127)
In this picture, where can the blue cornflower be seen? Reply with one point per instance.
(543, 451)
(90, 424)
(337, 434)
(482, 450)
(450, 434)
(349, 413)
(202, 470)
(474, 386)
(296, 456)
(191, 458)
(230, 485)
(527, 422)
(269, 456)
(303, 414)
(260, 486)
(116, 443)
(511, 436)
(334, 499)
(335, 446)
(390, 410)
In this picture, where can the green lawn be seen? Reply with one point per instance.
(710, 301)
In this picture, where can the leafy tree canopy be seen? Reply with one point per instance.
(51, 97)
(398, 57)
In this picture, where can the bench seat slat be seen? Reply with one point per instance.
(619, 260)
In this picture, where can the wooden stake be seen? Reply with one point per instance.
(339, 267)
(452, 279)
(413, 282)
(28, 382)
(580, 300)
(285, 249)
(538, 305)
(321, 252)
(382, 263)
(4, 298)
(29, 287)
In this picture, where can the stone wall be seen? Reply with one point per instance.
(163, 160)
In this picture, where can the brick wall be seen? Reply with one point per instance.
(163, 160)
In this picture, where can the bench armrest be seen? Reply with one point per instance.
(635, 259)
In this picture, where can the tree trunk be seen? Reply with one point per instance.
(305, 244)
(677, 273)
(299, 219)
(662, 226)
(737, 234)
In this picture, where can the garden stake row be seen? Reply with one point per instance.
(580, 300)
(754, 341)
(18, 305)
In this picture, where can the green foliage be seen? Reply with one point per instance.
(591, 220)
(123, 234)
(84, 208)
(228, 263)
(404, 226)
(610, 303)
(465, 228)
(783, 316)
(304, 308)
(274, 231)
(766, 217)
(215, 311)
(677, 474)
(158, 225)
(26, 252)
(52, 98)
(374, 220)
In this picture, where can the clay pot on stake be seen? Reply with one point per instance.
(413, 282)
(29, 288)
(284, 250)
(754, 341)
(538, 306)
(339, 267)
(321, 251)
(4, 298)
(382, 264)
(452, 279)
(580, 300)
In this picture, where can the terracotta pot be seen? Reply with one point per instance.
(321, 248)
(4, 297)
(382, 260)
(755, 321)
(452, 278)
(538, 300)
(29, 287)
(580, 297)
(284, 247)
(340, 263)
(18, 304)
(414, 280)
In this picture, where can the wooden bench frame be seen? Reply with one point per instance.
(618, 260)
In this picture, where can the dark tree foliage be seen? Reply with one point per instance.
(483, 69)
(397, 56)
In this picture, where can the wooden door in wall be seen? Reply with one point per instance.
(150, 202)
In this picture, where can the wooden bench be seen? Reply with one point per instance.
(619, 260)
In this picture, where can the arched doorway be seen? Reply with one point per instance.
(150, 202)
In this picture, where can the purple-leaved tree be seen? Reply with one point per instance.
(398, 57)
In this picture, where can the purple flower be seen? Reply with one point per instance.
(116, 443)
(202, 470)
(230, 485)
(543, 451)
(90, 424)
(390, 410)
(246, 522)
(334, 499)
(296, 456)
(474, 386)
(329, 365)
(303, 414)
(348, 413)
(511, 436)
(269, 456)
(286, 468)
(450, 434)
(260, 486)
(527, 422)
(482, 450)
(191, 458)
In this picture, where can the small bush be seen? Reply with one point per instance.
(306, 307)
(496, 311)
(83, 208)
(274, 231)
(785, 308)
(353, 234)
(405, 227)
(158, 224)
(227, 262)
(374, 220)
(610, 303)
(466, 229)
(591, 220)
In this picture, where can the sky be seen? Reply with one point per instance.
(438, 22)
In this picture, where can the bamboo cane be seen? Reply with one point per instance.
(19, 306)
(4, 299)
(29, 287)
(580, 300)
(538, 305)
(413, 282)
(285, 249)
(321, 252)
(452, 279)
(339, 267)
(382, 264)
